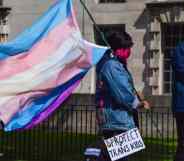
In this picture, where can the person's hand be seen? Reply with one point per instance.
(144, 104)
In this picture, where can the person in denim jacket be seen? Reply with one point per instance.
(115, 95)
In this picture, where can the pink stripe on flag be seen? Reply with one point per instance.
(47, 46)
(8, 109)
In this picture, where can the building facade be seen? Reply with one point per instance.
(156, 26)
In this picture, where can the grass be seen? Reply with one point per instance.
(156, 150)
(50, 146)
(45, 145)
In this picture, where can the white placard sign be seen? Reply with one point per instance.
(124, 144)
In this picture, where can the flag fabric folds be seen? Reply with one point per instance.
(42, 66)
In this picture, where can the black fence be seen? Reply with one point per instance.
(65, 135)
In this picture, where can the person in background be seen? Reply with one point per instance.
(116, 97)
(178, 98)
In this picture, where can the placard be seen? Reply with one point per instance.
(124, 144)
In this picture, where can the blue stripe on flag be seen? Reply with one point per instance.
(23, 42)
(99, 52)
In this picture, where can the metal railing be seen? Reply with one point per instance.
(65, 135)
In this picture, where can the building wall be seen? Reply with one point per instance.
(24, 13)
(132, 13)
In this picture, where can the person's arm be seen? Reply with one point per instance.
(118, 83)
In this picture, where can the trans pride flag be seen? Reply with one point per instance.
(42, 66)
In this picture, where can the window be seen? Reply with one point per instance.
(106, 29)
(4, 29)
(172, 34)
(111, 1)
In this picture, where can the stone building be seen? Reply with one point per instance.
(156, 26)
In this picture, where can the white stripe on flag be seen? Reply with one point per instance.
(27, 80)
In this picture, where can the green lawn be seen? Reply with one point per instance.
(32, 145)
(156, 150)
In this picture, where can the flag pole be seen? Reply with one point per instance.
(95, 25)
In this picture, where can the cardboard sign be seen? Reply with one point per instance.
(124, 144)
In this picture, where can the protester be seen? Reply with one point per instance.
(116, 95)
(178, 98)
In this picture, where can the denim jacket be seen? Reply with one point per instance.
(116, 93)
